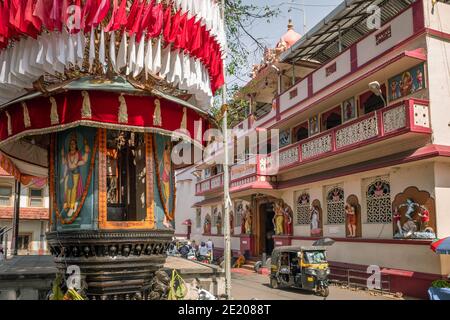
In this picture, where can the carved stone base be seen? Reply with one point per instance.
(118, 265)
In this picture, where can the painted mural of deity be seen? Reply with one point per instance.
(74, 159)
(164, 181)
(407, 83)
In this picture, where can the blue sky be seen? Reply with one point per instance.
(270, 33)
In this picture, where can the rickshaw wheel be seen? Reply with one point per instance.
(274, 283)
(324, 292)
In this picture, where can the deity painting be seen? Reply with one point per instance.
(285, 138)
(314, 125)
(349, 109)
(164, 212)
(407, 83)
(74, 152)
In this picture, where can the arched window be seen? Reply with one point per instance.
(378, 199)
(335, 206)
(303, 209)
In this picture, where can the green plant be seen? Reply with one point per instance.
(441, 284)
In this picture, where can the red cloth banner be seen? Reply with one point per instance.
(30, 17)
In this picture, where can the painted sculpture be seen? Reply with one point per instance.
(278, 219)
(413, 215)
(350, 212)
(248, 220)
(316, 219)
(207, 225)
(283, 218)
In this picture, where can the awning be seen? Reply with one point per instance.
(187, 222)
(28, 180)
(208, 201)
(347, 22)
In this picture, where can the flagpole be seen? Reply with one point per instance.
(226, 187)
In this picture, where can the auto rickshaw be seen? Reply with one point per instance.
(300, 267)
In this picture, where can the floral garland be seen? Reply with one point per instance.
(85, 191)
(169, 215)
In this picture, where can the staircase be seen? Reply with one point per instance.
(249, 265)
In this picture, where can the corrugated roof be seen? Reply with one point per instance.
(349, 19)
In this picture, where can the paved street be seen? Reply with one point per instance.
(249, 285)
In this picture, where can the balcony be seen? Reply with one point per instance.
(214, 183)
(408, 116)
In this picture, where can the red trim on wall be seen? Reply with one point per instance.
(418, 16)
(353, 58)
(429, 151)
(277, 108)
(437, 33)
(310, 88)
(367, 240)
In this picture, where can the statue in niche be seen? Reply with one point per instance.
(350, 212)
(412, 215)
(248, 220)
(278, 219)
(207, 225)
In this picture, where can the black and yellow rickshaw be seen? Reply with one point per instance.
(300, 267)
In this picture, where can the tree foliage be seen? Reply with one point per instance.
(239, 18)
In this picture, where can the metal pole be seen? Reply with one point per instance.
(226, 176)
(16, 219)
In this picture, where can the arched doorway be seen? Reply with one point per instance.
(264, 229)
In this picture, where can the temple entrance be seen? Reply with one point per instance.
(265, 231)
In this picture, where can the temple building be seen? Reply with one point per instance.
(362, 116)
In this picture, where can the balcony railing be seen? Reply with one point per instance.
(408, 116)
(403, 117)
(210, 184)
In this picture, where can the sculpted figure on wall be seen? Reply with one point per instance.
(283, 218)
(414, 215)
(247, 223)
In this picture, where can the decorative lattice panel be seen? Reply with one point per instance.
(303, 216)
(394, 119)
(378, 197)
(335, 206)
